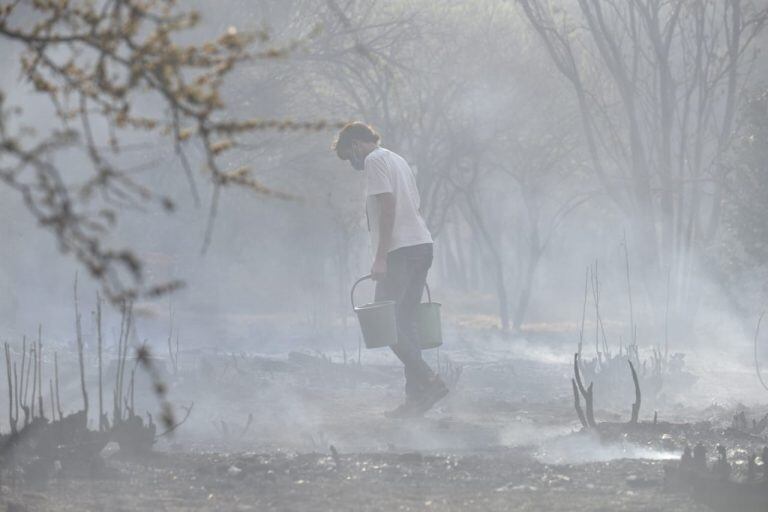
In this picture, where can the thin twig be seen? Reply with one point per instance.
(598, 319)
(53, 404)
(666, 321)
(133, 387)
(25, 379)
(757, 364)
(636, 405)
(629, 289)
(80, 356)
(177, 425)
(99, 349)
(584, 310)
(56, 379)
(116, 406)
(33, 361)
(16, 388)
(40, 369)
(248, 423)
(11, 418)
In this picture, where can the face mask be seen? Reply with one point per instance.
(357, 160)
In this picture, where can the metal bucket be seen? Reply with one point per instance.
(428, 327)
(377, 320)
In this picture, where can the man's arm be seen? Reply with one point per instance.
(386, 202)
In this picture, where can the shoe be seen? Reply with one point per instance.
(434, 391)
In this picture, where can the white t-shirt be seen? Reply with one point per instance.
(386, 171)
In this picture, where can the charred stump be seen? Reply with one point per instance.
(589, 420)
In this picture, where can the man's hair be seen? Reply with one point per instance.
(352, 132)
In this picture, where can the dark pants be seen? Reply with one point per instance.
(404, 282)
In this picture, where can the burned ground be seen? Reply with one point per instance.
(304, 430)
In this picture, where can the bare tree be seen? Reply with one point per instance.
(386, 66)
(657, 84)
(543, 166)
(462, 133)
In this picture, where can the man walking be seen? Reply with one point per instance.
(403, 253)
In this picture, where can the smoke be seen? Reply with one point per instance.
(276, 276)
(588, 447)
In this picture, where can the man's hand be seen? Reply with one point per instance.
(379, 269)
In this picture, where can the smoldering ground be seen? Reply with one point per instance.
(275, 430)
(278, 405)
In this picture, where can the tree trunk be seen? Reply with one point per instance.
(501, 293)
(498, 264)
(524, 297)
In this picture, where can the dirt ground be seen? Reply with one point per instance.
(496, 480)
(305, 431)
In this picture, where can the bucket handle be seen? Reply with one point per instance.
(369, 276)
(352, 292)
